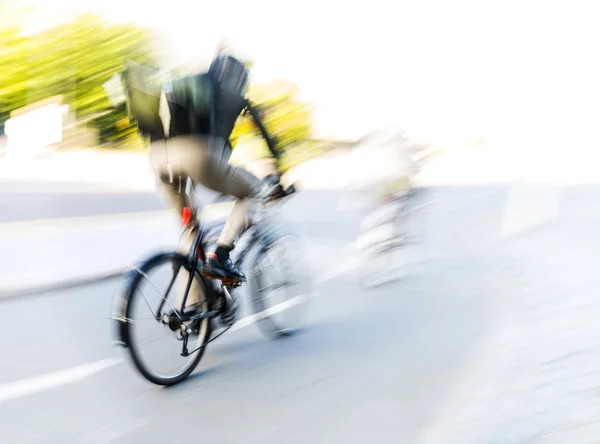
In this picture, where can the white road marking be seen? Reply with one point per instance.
(209, 212)
(252, 319)
(78, 221)
(37, 384)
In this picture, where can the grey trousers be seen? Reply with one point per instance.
(205, 162)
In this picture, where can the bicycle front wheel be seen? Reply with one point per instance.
(153, 306)
(281, 286)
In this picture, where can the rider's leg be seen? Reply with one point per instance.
(174, 193)
(204, 164)
(177, 199)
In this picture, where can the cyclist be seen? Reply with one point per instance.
(198, 114)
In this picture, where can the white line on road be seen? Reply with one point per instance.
(209, 211)
(37, 384)
(252, 319)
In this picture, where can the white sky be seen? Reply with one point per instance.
(442, 68)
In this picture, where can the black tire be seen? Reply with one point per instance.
(296, 271)
(131, 293)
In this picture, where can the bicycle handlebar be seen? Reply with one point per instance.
(291, 189)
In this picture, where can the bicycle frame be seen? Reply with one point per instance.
(256, 235)
(196, 257)
(259, 235)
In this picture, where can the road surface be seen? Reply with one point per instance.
(367, 365)
(88, 184)
(28, 200)
(494, 338)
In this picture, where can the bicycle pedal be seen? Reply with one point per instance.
(224, 280)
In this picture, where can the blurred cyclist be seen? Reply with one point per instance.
(189, 121)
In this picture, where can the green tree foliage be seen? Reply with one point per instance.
(72, 59)
(286, 117)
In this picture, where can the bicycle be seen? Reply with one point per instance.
(215, 305)
(388, 225)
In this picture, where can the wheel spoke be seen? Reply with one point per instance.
(275, 274)
(162, 362)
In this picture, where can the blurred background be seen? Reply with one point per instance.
(446, 155)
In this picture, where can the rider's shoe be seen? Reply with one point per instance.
(222, 269)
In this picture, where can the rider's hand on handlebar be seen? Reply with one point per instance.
(272, 188)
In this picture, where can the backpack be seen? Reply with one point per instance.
(205, 103)
(143, 87)
(230, 78)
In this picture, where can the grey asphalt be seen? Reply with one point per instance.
(491, 340)
(26, 200)
(29, 201)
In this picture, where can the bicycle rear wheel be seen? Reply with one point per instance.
(281, 286)
(146, 304)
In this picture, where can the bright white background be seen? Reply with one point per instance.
(511, 70)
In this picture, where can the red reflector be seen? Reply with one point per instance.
(186, 216)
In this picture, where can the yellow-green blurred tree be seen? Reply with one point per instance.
(72, 59)
(285, 117)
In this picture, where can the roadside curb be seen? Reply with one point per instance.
(103, 275)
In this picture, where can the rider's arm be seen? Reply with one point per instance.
(261, 127)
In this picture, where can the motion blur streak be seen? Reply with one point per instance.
(446, 156)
